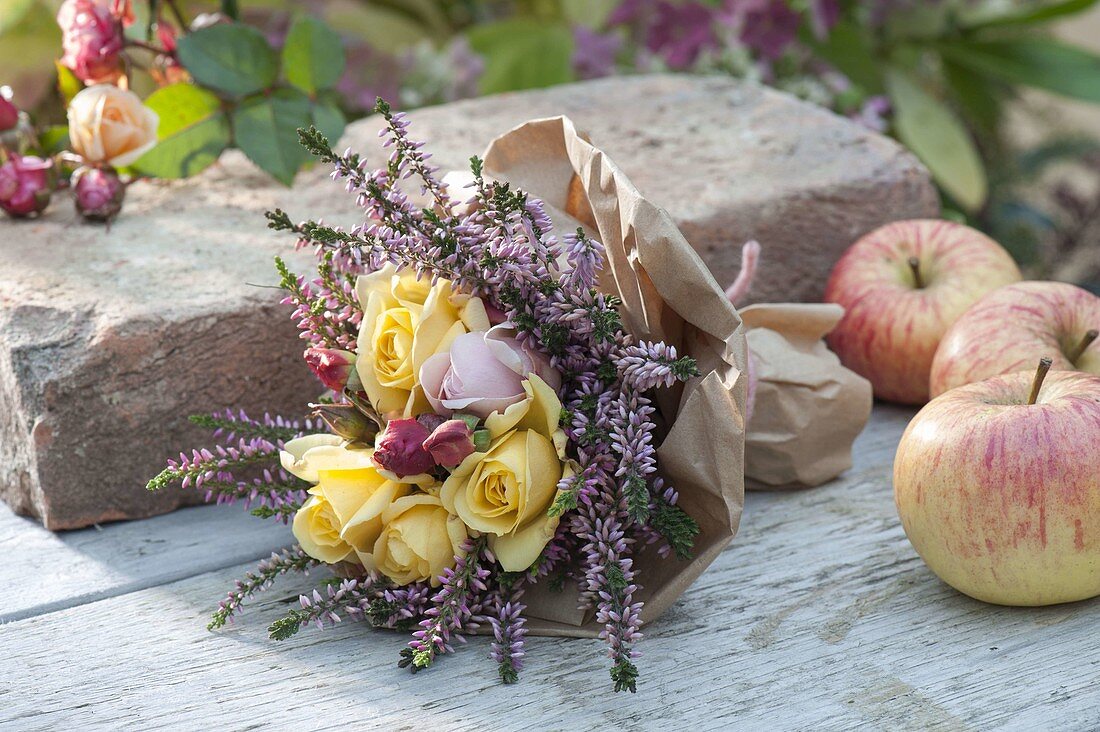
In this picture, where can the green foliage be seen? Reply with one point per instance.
(1038, 62)
(193, 132)
(327, 116)
(266, 128)
(677, 528)
(313, 56)
(54, 139)
(229, 57)
(273, 433)
(934, 132)
(1031, 13)
(523, 54)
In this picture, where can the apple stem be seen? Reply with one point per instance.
(914, 264)
(1040, 375)
(1083, 346)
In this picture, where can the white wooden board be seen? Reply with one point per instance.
(820, 615)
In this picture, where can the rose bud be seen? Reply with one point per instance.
(401, 451)
(450, 443)
(347, 421)
(9, 115)
(26, 183)
(91, 37)
(483, 373)
(332, 366)
(99, 193)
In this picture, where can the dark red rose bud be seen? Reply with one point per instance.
(99, 193)
(9, 115)
(450, 443)
(26, 183)
(332, 366)
(401, 451)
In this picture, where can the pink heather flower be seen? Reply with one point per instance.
(678, 32)
(824, 14)
(594, 53)
(768, 27)
(331, 366)
(401, 451)
(91, 36)
(9, 115)
(483, 373)
(26, 183)
(99, 193)
(450, 443)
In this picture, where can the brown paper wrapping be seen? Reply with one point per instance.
(668, 294)
(808, 409)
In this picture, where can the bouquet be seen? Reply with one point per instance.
(501, 440)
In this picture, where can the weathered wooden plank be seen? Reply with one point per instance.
(43, 571)
(819, 615)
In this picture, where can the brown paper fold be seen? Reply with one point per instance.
(668, 294)
(808, 408)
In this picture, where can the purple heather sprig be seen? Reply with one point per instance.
(352, 597)
(293, 559)
(453, 607)
(507, 621)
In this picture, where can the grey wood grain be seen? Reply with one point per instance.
(818, 616)
(43, 571)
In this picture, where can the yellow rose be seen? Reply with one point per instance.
(111, 125)
(506, 491)
(419, 540)
(342, 518)
(405, 321)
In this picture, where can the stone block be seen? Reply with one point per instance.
(109, 337)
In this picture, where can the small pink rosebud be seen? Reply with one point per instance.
(92, 39)
(26, 183)
(450, 443)
(332, 366)
(401, 451)
(99, 193)
(9, 115)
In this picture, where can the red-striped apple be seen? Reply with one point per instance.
(901, 286)
(1012, 327)
(1000, 493)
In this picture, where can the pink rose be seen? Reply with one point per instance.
(483, 373)
(401, 451)
(99, 193)
(450, 443)
(9, 115)
(91, 36)
(26, 183)
(332, 366)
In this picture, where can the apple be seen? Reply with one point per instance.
(1010, 328)
(901, 286)
(998, 487)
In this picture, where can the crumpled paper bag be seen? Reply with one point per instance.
(667, 294)
(808, 409)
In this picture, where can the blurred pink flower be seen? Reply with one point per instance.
(767, 27)
(594, 53)
(26, 183)
(483, 373)
(91, 36)
(99, 193)
(9, 115)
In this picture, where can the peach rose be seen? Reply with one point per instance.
(111, 125)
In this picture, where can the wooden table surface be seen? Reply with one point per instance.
(818, 616)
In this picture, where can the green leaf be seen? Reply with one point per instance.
(933, 132)
(54, 139)
(589, 13)
(847, 49)
(523, 54)
(1038, 62)
(992, 15)
(192, 133)
(231, 9)
(266, 129)
(313, 57)
(980, 100)
(230, 58)
(67, 83)
(328, 118)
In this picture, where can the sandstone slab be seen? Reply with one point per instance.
(108, 337)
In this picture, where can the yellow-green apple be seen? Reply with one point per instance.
(1010, 328)
(998, 487)
(901, 286)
